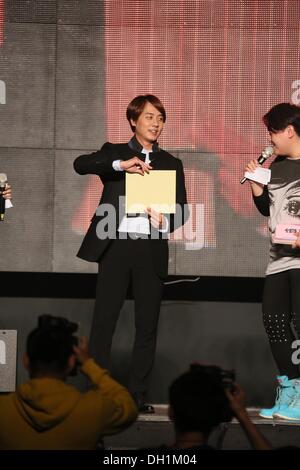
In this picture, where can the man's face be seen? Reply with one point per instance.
(149, 125)
(281, 141)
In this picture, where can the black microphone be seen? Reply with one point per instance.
(266, 153)
(3, 181)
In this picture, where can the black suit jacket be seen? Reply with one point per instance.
(100, 163)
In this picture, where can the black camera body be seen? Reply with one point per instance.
(222, 378)
(68, 328)
(48, 321)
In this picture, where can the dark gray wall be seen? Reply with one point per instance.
(52, 63)
(227, 334)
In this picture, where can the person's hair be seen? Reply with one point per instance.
(136, 106)
(281, 116)
(49, 346)
(198, 402)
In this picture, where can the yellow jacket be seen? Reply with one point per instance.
(49, 414)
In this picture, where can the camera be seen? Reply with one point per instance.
(226, 378)
(48, 321)
(65, 328)
(219, 379)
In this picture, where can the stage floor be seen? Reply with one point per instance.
(161, 415)
(157, 429)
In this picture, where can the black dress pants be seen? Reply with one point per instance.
(125, 261)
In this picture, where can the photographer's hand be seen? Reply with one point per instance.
(237, 403)
(237, 400)
(81, 351)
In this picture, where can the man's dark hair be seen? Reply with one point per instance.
(198, 402)
(281, 116)
(50, 345)
(136, 106)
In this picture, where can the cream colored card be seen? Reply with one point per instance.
(260, 175)
(156, 190)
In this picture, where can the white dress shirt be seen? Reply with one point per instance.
(139, 224)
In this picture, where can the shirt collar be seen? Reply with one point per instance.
(135, 145)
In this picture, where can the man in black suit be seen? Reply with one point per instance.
(131, 248)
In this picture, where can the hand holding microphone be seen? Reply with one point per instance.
(266, 153)
(5, 193)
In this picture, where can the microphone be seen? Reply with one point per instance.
(266, 153)
(3, 181)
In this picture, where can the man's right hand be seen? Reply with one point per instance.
(257, 188)
(237, 400)
(81, 351)
(135, 165)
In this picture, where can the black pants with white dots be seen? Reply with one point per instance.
(281, 317)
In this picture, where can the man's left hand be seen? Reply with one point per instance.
(157, 219)
(296, 243)
(7, 192)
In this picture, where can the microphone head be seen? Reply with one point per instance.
(268, 151)
(3, 179)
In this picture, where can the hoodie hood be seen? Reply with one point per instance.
(44, 403)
